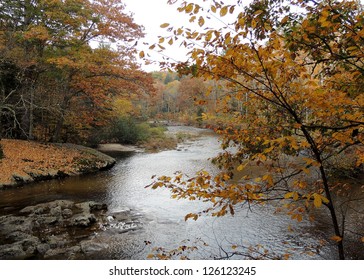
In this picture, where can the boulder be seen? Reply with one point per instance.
(83, 220)
(67, 213)
(42, 248)
(92, 246)
(56, 211)
(57, 241)
(12, 252)
(54, 253)
(22, 178)
(97, 206)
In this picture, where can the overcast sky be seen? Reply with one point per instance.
(151, 14)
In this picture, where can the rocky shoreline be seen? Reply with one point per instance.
(62, 229)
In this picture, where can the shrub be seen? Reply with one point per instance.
(126, 130)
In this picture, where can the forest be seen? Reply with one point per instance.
(281, 83)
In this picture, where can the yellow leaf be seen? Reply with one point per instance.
(288, 195)
(269, 179)
(164, 25)
(298, 217)
(297, 125)
(150, 256)
(201, 21)
(254, 23)
(284, 20)
(262, 157)
(197, 9)
(141, 54)
(208, 36)
(267, 26)
(362, 239)
(242, 166)
(188, 216)
(257, 13)
(306, 171)
(317, 200)
(295, 196)
(286, 256)
(223, 11)
(268, 150)
(241, 21)
(189, 8)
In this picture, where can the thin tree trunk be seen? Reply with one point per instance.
(325, 182)
(31, 115)
(57, 132)
(334, 219)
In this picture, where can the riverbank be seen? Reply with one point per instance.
(29, 161)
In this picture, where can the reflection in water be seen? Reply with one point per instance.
(163, 218)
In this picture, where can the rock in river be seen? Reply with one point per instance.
(61, 229)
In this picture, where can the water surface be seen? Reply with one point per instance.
(163, 218)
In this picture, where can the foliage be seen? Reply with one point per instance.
(62, 64)
(121, 130)
(297, 69)
(127, 130)
(173, 100)
(31, 160)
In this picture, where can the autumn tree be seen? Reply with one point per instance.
(67, 61)
(191, 91)
(297, 66)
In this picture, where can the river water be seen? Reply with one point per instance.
(162, 218)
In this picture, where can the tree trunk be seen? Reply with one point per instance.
(325, 182)
(57, 132)
(31, 115)
(334, 219)
(1, 123)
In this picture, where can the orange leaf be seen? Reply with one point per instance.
(336, 238)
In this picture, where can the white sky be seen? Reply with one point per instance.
(151, 14)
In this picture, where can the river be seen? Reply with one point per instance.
(162, 218)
